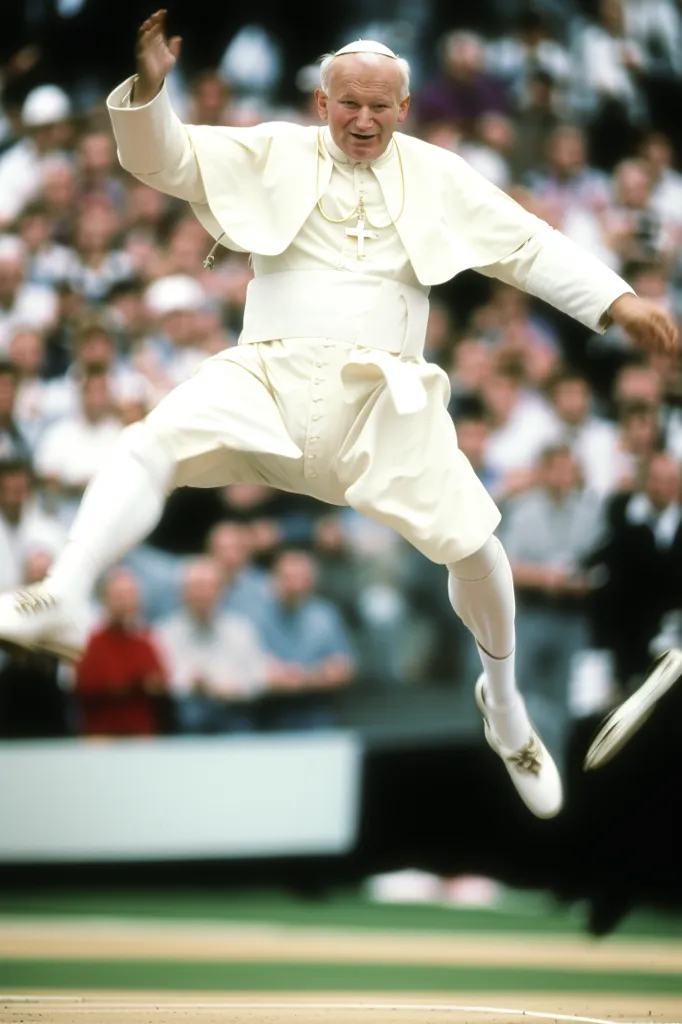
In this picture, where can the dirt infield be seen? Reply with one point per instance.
(84, 940)
(330, 1008)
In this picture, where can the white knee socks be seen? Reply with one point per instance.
(481, 591)
(122, 504)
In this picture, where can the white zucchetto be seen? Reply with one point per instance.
(366, 46)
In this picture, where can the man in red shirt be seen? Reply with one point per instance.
(120, 679)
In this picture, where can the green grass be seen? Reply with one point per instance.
(524, 912)
(162, 975)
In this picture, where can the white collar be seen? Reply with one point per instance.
(338, 155)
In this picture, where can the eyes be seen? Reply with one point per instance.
(352, 105)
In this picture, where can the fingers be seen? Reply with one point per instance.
(153, 25)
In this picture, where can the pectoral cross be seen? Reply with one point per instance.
(359, 232)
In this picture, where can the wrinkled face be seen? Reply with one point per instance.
(363, 107)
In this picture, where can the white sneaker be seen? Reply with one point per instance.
(627, 719)
(35, 619)
(531, 767)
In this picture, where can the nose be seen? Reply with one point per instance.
(364, 119)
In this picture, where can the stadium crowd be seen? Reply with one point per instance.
(250, 609)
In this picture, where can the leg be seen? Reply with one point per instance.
(481, 592)
(203, 433)
(407, 472)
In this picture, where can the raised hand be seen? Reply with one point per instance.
(647, 325)
(156, 56)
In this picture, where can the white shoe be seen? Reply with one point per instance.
(627, 719)
(531, 767)
(35, 619)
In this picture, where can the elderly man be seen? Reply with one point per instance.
(348, 226)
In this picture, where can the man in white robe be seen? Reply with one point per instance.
(328, 393)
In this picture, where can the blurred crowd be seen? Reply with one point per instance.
(248, 609)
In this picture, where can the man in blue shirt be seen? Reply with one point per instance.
(309, 649)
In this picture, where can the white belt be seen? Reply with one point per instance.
(383, 318)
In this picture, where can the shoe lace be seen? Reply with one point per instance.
(30, 602)
(527, 758)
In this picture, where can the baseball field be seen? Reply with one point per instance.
(186, 957)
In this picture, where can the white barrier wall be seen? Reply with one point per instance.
(178, 798)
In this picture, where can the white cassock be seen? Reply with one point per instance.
(328, 393)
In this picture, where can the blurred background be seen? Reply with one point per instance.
(274, 691)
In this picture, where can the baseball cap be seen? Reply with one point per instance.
(48, 104)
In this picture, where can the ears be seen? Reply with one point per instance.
(322, 101)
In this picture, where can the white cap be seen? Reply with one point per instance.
(173, 294)
(366, 46)
(48, 104)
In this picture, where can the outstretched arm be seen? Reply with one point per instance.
(152, 141)
(552, 267)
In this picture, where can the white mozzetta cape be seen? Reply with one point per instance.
(259, 188)
(254, 188)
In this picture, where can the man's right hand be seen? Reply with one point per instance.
(156, 56)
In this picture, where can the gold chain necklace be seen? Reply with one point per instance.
(360, 206)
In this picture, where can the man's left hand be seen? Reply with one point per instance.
(646, 323)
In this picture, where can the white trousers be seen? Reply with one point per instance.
(308, 416)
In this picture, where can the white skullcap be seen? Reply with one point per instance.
(48, 104)
(366, 46)
(173, 294)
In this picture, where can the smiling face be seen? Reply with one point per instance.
(363, 105)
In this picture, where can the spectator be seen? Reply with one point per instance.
(216, 664)
(243, 586)
(521, 424)
(607, 89)
(98, 265)
(13, 444)
(305, 637)
(60, 196)
(656, 151)
(22, 304)
(27, 355)
(33, 703)
(45, 116)
(25, 530)
(171, 353)
(98, 170)
(537, 120)
(209, 99)
(93, 350)
(522, 337)
(464, 91)
(120, 680)
(47, 263)
(593, 441)
(528, 50)
(567, 182)
(71, 449)
(548, 534)
(640, 562)
(632, 228)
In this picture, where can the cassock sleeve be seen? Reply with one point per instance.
(154, 145)
(552, 267)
